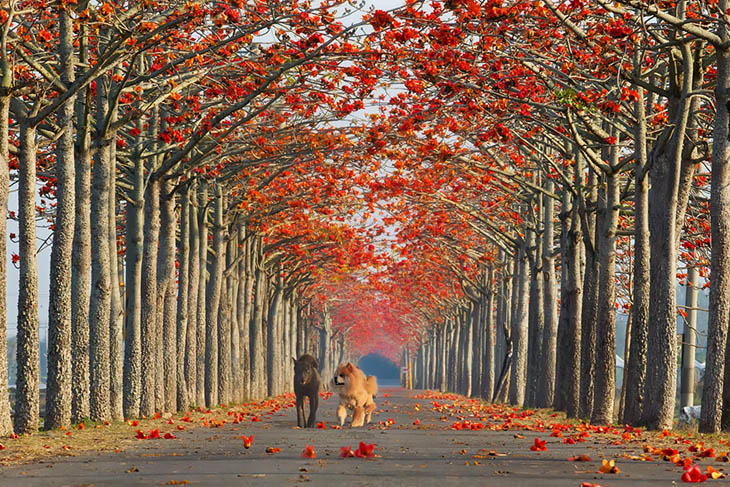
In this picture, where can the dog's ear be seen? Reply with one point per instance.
(349, 367)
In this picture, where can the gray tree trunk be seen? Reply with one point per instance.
(58, 386)
(133, 311)
(635, 371)
(661, 368)
(589, 309)
(81, 253)
(568, 381)
(212, 301)
(202, 285)
(234, 283)
(116, 311)
(719, 314)
(191, 353)
(6, 426)
(258, 363)
(243, 308)
(519, 333)
(546, 382)
(148, 401)
(28, 374)
(166, 317)
(605, 369)
(183, 305)
(468, 348)
(101, 279)
(489, 345)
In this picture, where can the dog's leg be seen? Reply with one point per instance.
(341, 414)
(357, 417)
(369, 408)
(313, 404)
(300, 412)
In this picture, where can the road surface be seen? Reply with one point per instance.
(430, 453)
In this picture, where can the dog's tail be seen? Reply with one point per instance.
(371, 385)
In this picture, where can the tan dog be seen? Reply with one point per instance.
(356, 392)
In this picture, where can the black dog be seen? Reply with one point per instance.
(306, 383)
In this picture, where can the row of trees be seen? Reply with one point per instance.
(529, 168)
(572, 153)
(196, 192)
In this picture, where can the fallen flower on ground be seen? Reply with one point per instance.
(609, 466)
(539, 445)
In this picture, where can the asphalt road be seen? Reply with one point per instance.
(431, 453)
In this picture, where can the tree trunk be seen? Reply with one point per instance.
(101, 279)
(258, 363)
(28, 375)
(149, 297)
(635, 371)
(183, 304)
(568, 381)
(546, 382)
(191, 355)
(133, 320)
(116, 312)
(234, 283)
(719, 314)
(661, 363)
(519, 333)
(212, 301)
(6, 426)
(202, 286)
(489, 348)
(81, 253)
(589, 311)
(243, 308)
(166, 316)
(58, 387)
(605, 368)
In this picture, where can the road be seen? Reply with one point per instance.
(431, 453)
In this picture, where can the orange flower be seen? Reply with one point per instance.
(539, 445)
(309, 452)
(247, 441)
(608, 467)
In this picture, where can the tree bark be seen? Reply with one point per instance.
(258, 371)
(568, 381)
(661, 364)
(191, 355)
(605, 368)
(166, 317)
(81, 253)
(100, 300)
(183, 303)
(28, 375)
(133, 311)
(589, 310)
(6, 426)
(116, 312)
(212, 301)
(519, 332)
(58, 386)
(546, 383)
(148, 401)
(719, 314)
(635, 371)
(202, 285)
